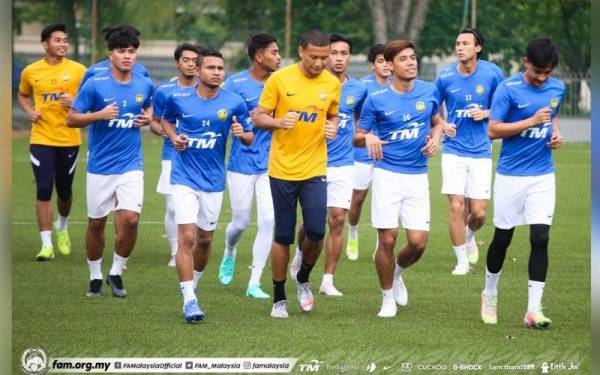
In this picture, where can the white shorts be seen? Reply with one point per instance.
(400, 195)
(242, 188)
(363, 175)
(106, 193)
(469, 177)
(523, 200)
(339, 186)
(164, 181)
(197, 207)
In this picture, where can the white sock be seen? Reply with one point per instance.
(491, 283)
(461, 254)
(327, 279)
(63, 222)
(352, 231)
(469, 234)
(95, 267)
(535, 293)
(170, 224)
(235, 229)
(46, 236)
(173, 244)
(118, 263)
(388, 295)
(398, 269)
(197, 276)
(298, 255)
(256, 273)
(187, 290)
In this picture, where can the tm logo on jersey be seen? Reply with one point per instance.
(464, 113)
(47, 97)
(412, 132)
(307, 116)
(537, 132)
(126, 122)
(207, 141)
(344, 118)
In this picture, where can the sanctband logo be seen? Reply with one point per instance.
(34, 361)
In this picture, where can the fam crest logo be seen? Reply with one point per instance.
(420, 106)
(479, 89)
(34, 361)
(323, 95)
(350, 100)
(139, 98)
(222, 114)
(554, 103)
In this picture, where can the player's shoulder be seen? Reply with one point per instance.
(556, 83)
(425, 86)
(488, 66)
(75, 65)
(230, 97)
(238, 78)
(447, 72)
(100, 66)
(513, 82)
(36, 65)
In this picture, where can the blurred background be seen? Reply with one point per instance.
(507, 25)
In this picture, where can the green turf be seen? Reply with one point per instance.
(440, 325)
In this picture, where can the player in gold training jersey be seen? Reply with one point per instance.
(52, 83)
(303, 99)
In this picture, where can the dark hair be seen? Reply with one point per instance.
(335, 37)
(315, 37)
(542, 53)
(478, 38)
(108, 31)
(48, 30)
(377, 49)
(394, 47)
(186, 47)
(259, 42)
(208, 52)
(122, 37)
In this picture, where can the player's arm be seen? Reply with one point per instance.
(155, 126)
(76, 119)
(144, 117)
(374, 145)
(331, 126)
(498, 129)
(479, 114)
(179, 140)
(432, 142)
(24, 101)
(556, 140)
(263, 119)
(246, 137)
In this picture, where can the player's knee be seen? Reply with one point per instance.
(336, 222)
(314, 235)
(502, 238)
(44, 192)
(478, 215)
(96, 226)
(185, 239)
(457, 206)
(204, 239)
(387, 241)
(241, 219)
(418, 246)
(265, 224)
(539, 236)
(130, 220)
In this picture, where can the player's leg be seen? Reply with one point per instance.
(384, 263)
(479, 180)
(264, 236)
(208, 216)
(241, 193)
(66, 161)
(297, 260)
(164, 187)
(333, 249)
(43, 161)
(363, 174)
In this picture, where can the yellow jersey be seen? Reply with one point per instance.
(300, 153)
(45, 83)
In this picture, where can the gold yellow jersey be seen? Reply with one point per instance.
(300, 153)
(45, 83)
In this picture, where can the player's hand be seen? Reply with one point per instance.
(289, 120)
(109, 112)
(34, 116)
(542, 116)
(478, 114)
(555, 141)
(430, 148)
(375, 146)
(331, 129)
(180, 142)
(65, 99)
(236, 128)
(450, 130)
(143, 119)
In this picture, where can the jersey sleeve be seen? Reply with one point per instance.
(243, 116)
(88, 74)
(500, 103)
(270, 94)
(368, 116)
(436, 101)
(228, 85)
(334, 106)
(169, 110)
(497, 79)
(25, 87)
(158, 103)
(361, 99)
(84, 101)
(439, 84)
(148, 100)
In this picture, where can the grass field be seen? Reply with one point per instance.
(440, 325)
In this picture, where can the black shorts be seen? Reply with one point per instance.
(312, 194)
(52, 164)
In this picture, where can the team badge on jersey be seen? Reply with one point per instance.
(554, 103)
(222, 114)
(350, 100)
(479, 90)
(323, 95)
(139, 98)
(65, 77)
(420, 106)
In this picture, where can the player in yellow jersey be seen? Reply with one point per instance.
(52, 83)
(299, 103)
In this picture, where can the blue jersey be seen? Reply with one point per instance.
(403, 120)
(462, 93)
(339, 150)
(206, 122)
(253, 159)
(360, 153)
(103, 66)
(158, 104)
(526, 153)
(115, 146)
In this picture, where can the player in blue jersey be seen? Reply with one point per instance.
(247, 169)
(524, 115)
(186, 61)
(340, 160)
(405, 117)
(116, 104)
(204, 118)
(363, 164)
(103, 66)
(467, 88)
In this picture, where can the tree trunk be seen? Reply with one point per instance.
(402, 18)
(418, 20)
(378, 17)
